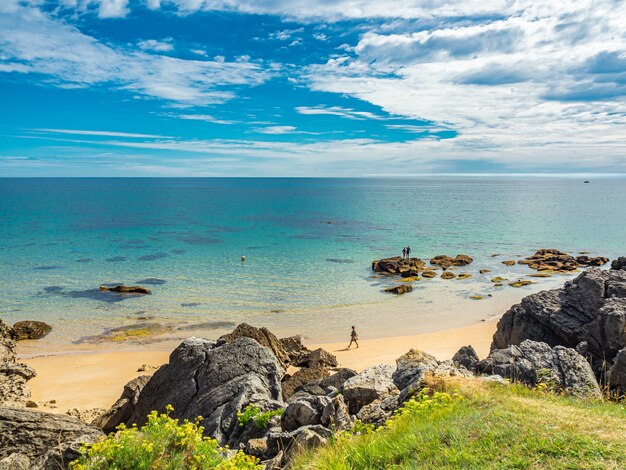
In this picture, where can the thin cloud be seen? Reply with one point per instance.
(102, 133)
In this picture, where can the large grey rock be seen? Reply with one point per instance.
(285, 443)
(336, 380)
(534, 362)
(321, 358)
(47, 440)
(13, 375)
(364, 388)
(411, 366)
(380, 410)
(214, 380)
(619, 263)
(298, 353)
(304, 376)
(336, 415)
(617, 373)
(123, 408)
(590, 309)
(306, 410)
(15, 461)
(263, 336)
(466, 356)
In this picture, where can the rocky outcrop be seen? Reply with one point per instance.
(214, 380)
(47, 441)
(122, 409)
(399, 289)
(305, 410)
(535, 362)
(559, 261)
(297, 352)
(13, 375)
(369, 385)
(590, 309)
(617, 373)
(466, 357)
(302, 377)
(29, 329)
(446, 262)
(619, 263)
(263, 336)
(321, 358)
(126, 289)
(406, 267)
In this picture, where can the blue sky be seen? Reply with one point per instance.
(311, 88)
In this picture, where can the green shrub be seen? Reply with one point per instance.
(161, 444)
(260, 419)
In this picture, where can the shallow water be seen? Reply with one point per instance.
(309, 244)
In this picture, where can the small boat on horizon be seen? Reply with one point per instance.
(586, 181)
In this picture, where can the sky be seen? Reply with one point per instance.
(312, 87)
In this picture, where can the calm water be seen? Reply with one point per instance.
(308, 242)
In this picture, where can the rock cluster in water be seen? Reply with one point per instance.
(558, 261)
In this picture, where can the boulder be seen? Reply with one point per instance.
(448, 275)
(30, 329)
(214, 380)
(263, 336)
(364, 388)
(126, 290)
(304, 376)
(15, 461)
(336, 380)
(446, 262)
(466, 357)
(321, 358)
(398, 265)
(297, 352)
(617, 373)
(123, 408)
(305, 411)
(281, 444)
(412, 365)
(48, 441)
(399, 289)
(619, 263)
(591, 308)
(380, 410)
(535, 362)
(336, 415)
(13, 375)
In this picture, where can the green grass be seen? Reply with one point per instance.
(492, 426)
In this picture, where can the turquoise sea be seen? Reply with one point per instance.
(309, 244)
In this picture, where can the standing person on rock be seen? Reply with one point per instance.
(354, 338)
(408, 251)
(404, 252)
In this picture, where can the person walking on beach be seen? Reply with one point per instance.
(354, 338)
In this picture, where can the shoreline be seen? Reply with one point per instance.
(95, 379)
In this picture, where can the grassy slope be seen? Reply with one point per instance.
(494, 426)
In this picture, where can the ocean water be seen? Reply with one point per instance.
(309, 244)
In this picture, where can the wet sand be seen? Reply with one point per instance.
(96, 379)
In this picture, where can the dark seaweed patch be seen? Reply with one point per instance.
(190, 304)
(211, 325)
(153, 257)
(48, 268)
(84, 260)
(199, 240)
(116, 259)
(152, 281)
(340, 260)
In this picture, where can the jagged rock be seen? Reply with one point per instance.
(398, 265)
(46, 439)
(87, 416)
(380, 410)
(214, 380)
(412, 365)
(321, 358)
(590, 308)
(124, 407)
(286, 442)
(15, 461)
(399, 289)
(617, 372)
(466, 357)
(337, 379)
(307, 410)
(30, 329)
(446, 262)
(256, 446)
(336, 415)
(297, 352)
(263, 336)
(619, 263)
(364, 388)
(535, 362)
(304, 376)
(126, 290)
(13, 375)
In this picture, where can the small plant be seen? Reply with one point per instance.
(359, 427)
(260, 419)
(161, 444)
(546, 381)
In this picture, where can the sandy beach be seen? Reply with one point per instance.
(96, 379)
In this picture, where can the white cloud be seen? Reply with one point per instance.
(113, 8)
(154, 45)
(204, 117)
(276, 130)
(102, 133)
(30, 41)
(348, 113)
(285, 34)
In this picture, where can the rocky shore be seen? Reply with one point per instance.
(572, 338)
